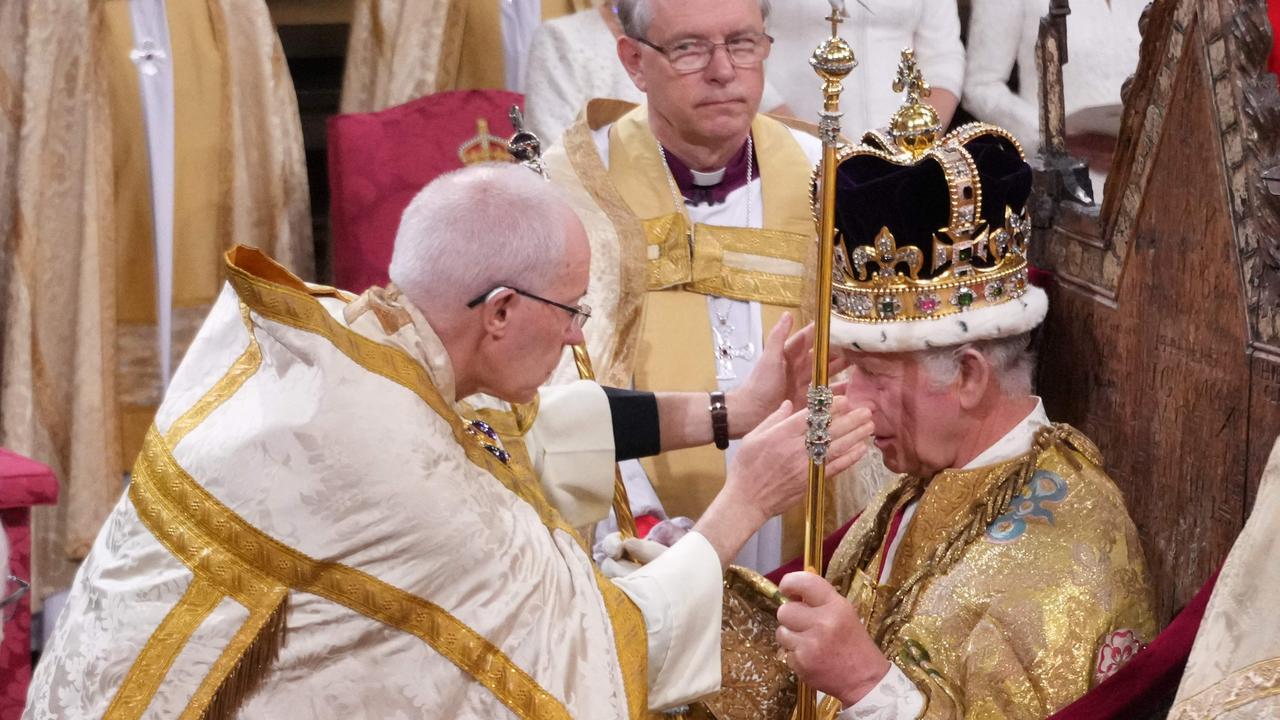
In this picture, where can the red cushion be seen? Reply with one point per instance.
(1273, 12)
(379, 161)
(25, 482)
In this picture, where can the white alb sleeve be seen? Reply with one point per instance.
(679, 594)
(895, 697)
(571, 446)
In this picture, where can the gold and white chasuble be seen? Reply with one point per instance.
(1001, 591)
(684, 295)
(314, 530)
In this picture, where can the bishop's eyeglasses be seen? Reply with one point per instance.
(14, 588)
(692, 55)
(581, 313)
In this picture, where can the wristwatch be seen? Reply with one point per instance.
(719, 420)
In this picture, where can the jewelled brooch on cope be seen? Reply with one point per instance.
(932, 233)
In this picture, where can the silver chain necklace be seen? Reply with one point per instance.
(678, 198)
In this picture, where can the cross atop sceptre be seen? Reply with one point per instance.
(838, 14)
(911, 79)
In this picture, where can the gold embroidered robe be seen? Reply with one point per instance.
(307, 478)
(1016, 588)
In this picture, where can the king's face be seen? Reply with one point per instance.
(917, 415)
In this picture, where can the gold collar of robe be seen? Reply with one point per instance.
(231, 559)
(762, 264)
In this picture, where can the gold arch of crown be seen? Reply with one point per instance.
(888, 295)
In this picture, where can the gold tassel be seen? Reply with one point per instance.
(257, 658)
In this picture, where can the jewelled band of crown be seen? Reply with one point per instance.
(817, 437)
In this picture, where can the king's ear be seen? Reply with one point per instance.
(974, 377)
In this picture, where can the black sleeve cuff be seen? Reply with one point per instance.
(636, 429)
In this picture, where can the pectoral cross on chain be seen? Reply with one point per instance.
(726, 351)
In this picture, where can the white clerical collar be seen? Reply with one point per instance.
(707, 178)
(1015, 442)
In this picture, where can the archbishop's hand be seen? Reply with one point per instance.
(798, 354)
(824, 640)
(770, 471)
(784, 371)
(771, 467)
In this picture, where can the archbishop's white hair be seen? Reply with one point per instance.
(477, 228)
(635, 16)
(1011, 358)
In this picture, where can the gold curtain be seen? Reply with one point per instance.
(401, 50)
(79, 379)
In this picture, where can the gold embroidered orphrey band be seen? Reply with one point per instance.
(1242, 687)
(229, 558)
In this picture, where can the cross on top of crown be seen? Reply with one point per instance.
(910, 78)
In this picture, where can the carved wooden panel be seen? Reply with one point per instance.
(1163, 341)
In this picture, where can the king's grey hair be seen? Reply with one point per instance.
(1012, 361)
(635, 16)
(476, 228)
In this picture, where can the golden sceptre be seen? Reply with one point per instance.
(833, 60)
(526, 148)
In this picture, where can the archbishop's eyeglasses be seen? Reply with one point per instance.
(581, 312)
(15, 587)
(694, 54)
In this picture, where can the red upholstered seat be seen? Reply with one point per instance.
(23, 483)
(1273, 13)
(378, 161)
